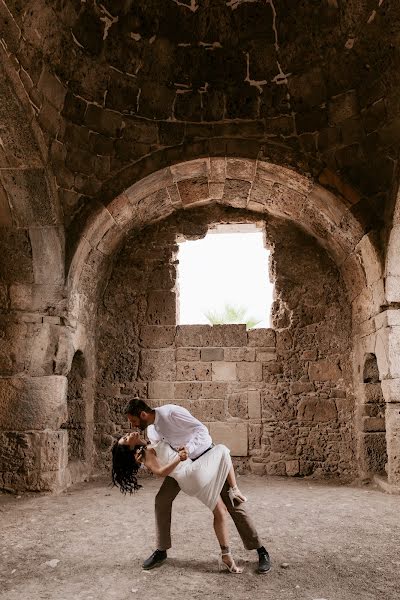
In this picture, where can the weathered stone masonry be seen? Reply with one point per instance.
(281, 400)
(113, 116)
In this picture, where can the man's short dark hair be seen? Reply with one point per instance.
(136, 406)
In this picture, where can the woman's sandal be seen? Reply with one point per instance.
(232, 568)
(236, 495)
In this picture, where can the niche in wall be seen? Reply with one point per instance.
(76, 423)
(373, 419)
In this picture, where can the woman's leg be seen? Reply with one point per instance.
(231, 479)
(220, 524)
(221, 531)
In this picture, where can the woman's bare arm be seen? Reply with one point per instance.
(151, 461)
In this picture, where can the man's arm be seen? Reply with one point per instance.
(198, 435)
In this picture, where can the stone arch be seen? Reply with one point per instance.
(258, 186)
(261, 187)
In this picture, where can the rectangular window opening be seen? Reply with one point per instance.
(224, 277)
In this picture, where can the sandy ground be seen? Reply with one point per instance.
(327, 542)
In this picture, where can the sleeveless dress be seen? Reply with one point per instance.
(203, 478)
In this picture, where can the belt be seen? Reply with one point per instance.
(212, 446)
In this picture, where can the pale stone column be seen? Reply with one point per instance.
(391, 392)
(33, 452)
(388, 355)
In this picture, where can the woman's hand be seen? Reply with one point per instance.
(183, 454)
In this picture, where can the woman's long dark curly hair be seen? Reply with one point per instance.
(125, 468)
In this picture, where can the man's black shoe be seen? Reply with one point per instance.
(264, 562)
(155, 560)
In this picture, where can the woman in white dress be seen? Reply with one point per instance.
(202, 478)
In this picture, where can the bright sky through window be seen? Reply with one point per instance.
(224, 268)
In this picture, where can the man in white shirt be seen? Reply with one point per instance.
(175, 425)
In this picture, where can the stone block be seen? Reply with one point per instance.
(216, 190)
(32, 298)
(194, 335)
(292, 468)
(387, 318)
(98, 226)
(103, 121)
(255, 430)
(317, 410)
(374, 455)
(211, 354)
(65, 350)
(373, 424)
(236, 193)
(324, 370)
(208, 410)
(237, 405)
(188, 390)
(254, 404)
(157, 336)
(373, 392)
(188, 354)
(249, 371)
(161, 308)
(309, 354)
(190, 169)
(257, 468)
(160, 390)
(53, 450)
(217, 170)
(392, 288)
(367, 248)
(193, 191)
(387, 351)
(32, 197)
(34, 461)
(208, 335)
(301, 387)
(193, 371)
(261, 337)
(233, 435)
(214, 389)
(48, 254)
(229, 335)
(342, 107)
(29, 403)
(276, 468)
(224, 371)
(391, 390)
(239, 354)
(238, 168)
(157, 365)
(393, 443)
(263, 356)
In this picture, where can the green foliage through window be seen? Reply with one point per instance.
(231, 314)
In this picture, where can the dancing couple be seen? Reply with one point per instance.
(181, 451)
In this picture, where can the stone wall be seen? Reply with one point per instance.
(280, 399)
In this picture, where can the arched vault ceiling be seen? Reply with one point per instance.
(256, 186)
(114, 82)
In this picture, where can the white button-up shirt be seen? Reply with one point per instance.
(175, 425)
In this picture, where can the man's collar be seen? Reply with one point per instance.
(156, 418)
